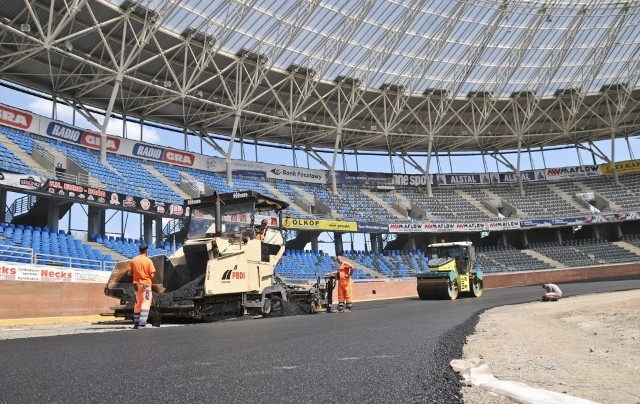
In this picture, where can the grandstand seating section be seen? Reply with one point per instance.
(585, 252)
(633, 239)
(130, 176)
(492, 259)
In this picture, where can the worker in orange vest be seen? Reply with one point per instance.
(345, 286)
(142, 270)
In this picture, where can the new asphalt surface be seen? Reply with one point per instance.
(393, 351)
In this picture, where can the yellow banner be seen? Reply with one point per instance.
(623, 167)
(319, 224)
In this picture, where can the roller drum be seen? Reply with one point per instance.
(434, 289)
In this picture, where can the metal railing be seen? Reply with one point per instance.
(172, 226)
(18, 207)
(24, 255)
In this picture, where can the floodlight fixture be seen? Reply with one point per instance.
(301, 70)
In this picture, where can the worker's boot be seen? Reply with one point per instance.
(348, 307)
(340, 307)
(136, 321)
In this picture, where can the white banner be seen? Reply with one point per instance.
(573, 172)
(406, 228)
(23, 181)
(453, 227)
(503, 225)
(11, 271)
(285, 173)
(19, 119)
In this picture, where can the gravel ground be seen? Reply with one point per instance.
(586, 346)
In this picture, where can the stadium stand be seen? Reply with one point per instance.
(624, 196)
(9, 161)
(461, 203)
(506, 259)
(445, 204)
(633, 239)
(585, 252)
(27, 244)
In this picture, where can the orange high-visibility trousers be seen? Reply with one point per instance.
(345, 288)
(141, 309)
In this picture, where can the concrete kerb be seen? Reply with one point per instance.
(50, 320)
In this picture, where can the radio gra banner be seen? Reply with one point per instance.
(16, 118)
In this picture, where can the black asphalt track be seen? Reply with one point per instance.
(393, 351)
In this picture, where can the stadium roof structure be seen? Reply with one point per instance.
(396, 76)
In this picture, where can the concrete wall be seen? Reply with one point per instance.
(19, 299)
(57, 299)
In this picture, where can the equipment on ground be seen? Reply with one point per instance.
(222, 269)
(451, 271)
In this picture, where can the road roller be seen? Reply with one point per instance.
(451, 272)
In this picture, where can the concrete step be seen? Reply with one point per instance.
(474, 202)
(613, 206)
(367, 270)
(544, 258)
(167, 181)
(493, 195)
(382, 203)
(627, 246)
(28, 160)
(567, 198)
(104, 250)
(283, 197)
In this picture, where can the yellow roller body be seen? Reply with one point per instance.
(451, 272)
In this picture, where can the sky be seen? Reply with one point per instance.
(131, 225)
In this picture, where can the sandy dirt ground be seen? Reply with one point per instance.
(585, 346)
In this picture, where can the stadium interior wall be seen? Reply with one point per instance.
(21, 300)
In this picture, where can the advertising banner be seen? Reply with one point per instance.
(362, 178)
(406, 228)
(416, 180)
(535, 223)
(163, 154)
(371, 227)
(569, 221)
(319, 224)
(285, 173)
(622, 167)
(100, 196)
(18, 119)
(81, 137)
(24, 181)
(572, 172)
(453, 227)
(503, 225)
(508, 178)
(439, 227)
(462, 179)
(11, 271)
(622, 216)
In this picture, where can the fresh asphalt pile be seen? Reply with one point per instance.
(180, 296)
(442, 384)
